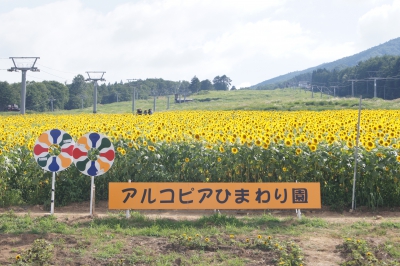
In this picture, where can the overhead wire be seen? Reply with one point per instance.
(53, 75)
(54, 69)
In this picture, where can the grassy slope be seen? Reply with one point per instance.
(280, 99)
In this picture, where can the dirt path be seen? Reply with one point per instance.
(318, 249)
(79, 210)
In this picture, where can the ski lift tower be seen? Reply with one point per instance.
(133, 94)
(24, 64)
(95, 76)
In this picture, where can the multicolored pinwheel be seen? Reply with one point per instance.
(93, 154)
(53, 150)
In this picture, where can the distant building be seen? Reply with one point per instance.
(179, 99)
(304, 84)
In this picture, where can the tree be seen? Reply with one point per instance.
(206, 85)
(59, 92)
(9, 94)
(233, 88)
(222, 83)
(78, 89)
(194, 86)
(183, 86)
(37, 96)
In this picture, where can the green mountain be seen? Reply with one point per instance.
(391, 47)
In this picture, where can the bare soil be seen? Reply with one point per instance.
(318, 249)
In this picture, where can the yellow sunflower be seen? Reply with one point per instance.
(288, 142)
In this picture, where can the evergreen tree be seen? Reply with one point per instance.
(78, 89)
(194, 86)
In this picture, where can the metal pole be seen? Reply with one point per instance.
(356, 156)
(133, 99)
(23, 92)
(53, 181)
(95, 97)
(91, 195)
(154, 104)
(352, 88)
(298, 211)
(374, 88)
(128, 214)
(167, 102)
(312, 92)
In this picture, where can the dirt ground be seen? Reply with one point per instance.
(81, 210)
(318, 249)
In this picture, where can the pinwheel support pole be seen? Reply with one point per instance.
(128, 213)
(92, 190)
(53, 181)
(298, 211)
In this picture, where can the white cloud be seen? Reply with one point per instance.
(244, 85)
(249, 41)
(380, 24)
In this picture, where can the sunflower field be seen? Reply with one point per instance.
(214, 146)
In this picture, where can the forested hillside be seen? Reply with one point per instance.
(391, 47)
(384, 71)
(79, 94)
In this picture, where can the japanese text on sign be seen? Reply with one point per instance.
(214, 196)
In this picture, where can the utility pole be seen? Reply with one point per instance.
(375, 74)
(24, 64)
(133, 94)
(83, 96)
(334, 86)
(352, 85)
(52, 100)
(95, 76)
(154, 94)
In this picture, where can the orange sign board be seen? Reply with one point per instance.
(139, 196)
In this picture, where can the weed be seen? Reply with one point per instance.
(40, 253)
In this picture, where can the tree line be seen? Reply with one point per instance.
(79, 94)
(384, 69)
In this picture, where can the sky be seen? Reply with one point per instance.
(247, 40)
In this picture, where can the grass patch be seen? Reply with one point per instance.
(278, 99)
(217, 239)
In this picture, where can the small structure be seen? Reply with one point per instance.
(178, 99)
